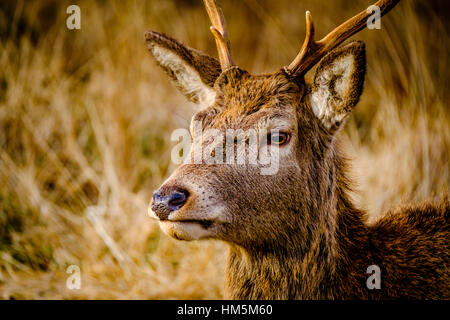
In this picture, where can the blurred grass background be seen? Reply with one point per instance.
(86, 117)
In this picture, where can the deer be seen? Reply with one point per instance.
(295, 234)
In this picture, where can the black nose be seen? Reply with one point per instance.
(166, 201)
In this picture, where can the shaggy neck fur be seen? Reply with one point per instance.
(329, 258)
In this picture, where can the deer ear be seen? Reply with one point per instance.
(338, 84)
(192, 71)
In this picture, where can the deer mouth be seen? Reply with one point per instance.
(189, 229)
(204, 223)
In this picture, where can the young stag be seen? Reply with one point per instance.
(294, 234)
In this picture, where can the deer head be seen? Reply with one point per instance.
(235, 202)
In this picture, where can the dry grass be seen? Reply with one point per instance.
(86, 116)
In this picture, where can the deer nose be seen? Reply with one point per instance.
(166, 202)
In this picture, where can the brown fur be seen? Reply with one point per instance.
(296, 234)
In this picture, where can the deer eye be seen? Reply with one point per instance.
(279, 138)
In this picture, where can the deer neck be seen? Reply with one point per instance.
(312, 266)
(279, 276)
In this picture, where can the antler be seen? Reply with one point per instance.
(219, 32)
(312, 51)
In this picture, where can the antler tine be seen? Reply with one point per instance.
(219, 32)
(308, 45)
(312, 51)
